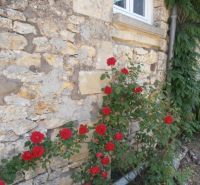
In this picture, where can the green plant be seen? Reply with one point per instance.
(124, 102)
(183, 83)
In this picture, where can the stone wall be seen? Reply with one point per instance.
(52, 53)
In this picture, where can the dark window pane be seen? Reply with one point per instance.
(121, 3)
(139, 7)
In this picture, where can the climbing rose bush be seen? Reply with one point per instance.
(124, 102)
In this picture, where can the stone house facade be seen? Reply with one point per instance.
(52, 53)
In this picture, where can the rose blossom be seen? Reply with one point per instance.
(65, 133)
(101, 129)
(168, 119)
(83, 129)
(138, 90)
(118, 136)
(2, 182)
(104, 174)
(111, 61)
(124, 71)
(38, 151)
(106, 110)
(108, 90)
(99, 155)
(27, 156)
(110, 146)
(94, 170)
(37, 137)
(105, 161)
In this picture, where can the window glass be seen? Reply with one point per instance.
(120, 3)
(139, 7)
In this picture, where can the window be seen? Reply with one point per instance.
(139, 9)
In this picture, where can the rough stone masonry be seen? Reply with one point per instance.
(52, 53)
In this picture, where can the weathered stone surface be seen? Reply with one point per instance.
(42, 44)
(8, 136)
(104, 51)
(67, 35)
(33, 173)
(30, 182)
(19, 127)
(23, 28)
(90, 83)
(99, 9)
(18, 5)
(86, 51)
(5, 23)
(149, 58)
(76, 19)
(122, 53)
(54, 60)
(41, 179)
(27, 93)
(66, 180)
(7, 56)
(27, 59)
(12, 14)
(16, 100)
(12, 41)
(140, 51)
(8, 86)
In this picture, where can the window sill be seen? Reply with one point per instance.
(130, 30)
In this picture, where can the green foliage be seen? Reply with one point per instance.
(183, 83)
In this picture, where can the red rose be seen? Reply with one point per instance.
(106, 110)
(107, 90)
(105, 161)
(111, 61)
(94, 170)
(168, 119)
(37, 137)
(138, 90)
(83, 129)
(2, 182)
(65, 133)
(104, 174)
(124, 71)
(110, 146)
(118, 136)
(99, 155)
(27, 156)
(101, 129)
(38, 151)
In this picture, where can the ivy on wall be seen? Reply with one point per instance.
(183, 84)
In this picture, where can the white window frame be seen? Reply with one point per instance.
(148, 18)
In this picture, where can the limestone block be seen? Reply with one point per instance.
(149, 58)
(33, 173)
(5, 23)
(12, 41)
(52, 123)
(90, 83)
(99, 9)
(27, 59)
(123, 52)
(41, 179)
(18, 5)
(43, 107)
(42, 44)
(19, 127)
(12, 14)
(30, 182)
(16, 100)
(163, 45)
(76, 19)
(73, 28)
(8, 86)
(66, 180)
(67, 35)
(58, 162)
(7, 136)
(7, 56)
(48, 27)
(161, 14)
(24, 28)
(104, 51)
(53, 60)
(162, 61)
(27, 93)
(140, 51)
(82, 155)
(86, 51)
